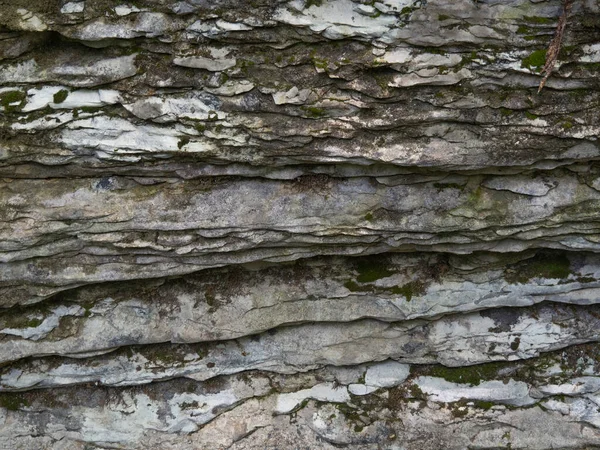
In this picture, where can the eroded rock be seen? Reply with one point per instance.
(298, 224)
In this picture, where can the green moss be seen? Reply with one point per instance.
(407, 10)
(310, 3)
(370, 270)
(442, 17)
(475, 196)
(348, 412)
(314, 112)
(200, 127)
(211, 299)
(539, 20)
(245, 64)
(353, 286)
(302, 405)
(481, 404)
(9, 98)
(32, 323)
(223, 78)
(13, 401)
(530, 116)
(466, 60)
(369, 217)
(472, 375)
(182, 142)
(362, 378)
(524, 30)
(459, 411)
(416, 392)
(19, 321)
(543, 265)
(506, 112)
(410, 289)
(61, 96)
(515, 344)
(567, 125)
(165, 355)
(87, 306)
(535, 61)
(320, 63)
(90, 109)
(586, 279)
(566, 51)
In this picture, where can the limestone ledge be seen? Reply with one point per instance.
(293, 83)
(501, 334)
(232, 303)
(358, 407)
(84, 231)
(433, 23)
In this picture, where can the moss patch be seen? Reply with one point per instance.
(567, 125)
(530, 116)
(535, 61)
(13, 401)
(458, 410)
(543, 265)
(482, 404)
(164, 355)
(410, 289)
(539, 20)
(20, 320)
(32, 323)
(61, 96)
(9, 101)
(472, 375)
(310, 3)
(514, 345)
(370, 270)
(313, 112)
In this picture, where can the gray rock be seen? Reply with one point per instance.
(247, 302)
(298, 224)
(476, 338)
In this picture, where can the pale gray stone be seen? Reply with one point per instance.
(298, 224)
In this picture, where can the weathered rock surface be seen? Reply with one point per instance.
(298, 224)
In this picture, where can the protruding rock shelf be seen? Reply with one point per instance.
(298, 224)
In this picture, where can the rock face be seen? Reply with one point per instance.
(298, 224)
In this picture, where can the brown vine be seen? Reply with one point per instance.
(555, 44)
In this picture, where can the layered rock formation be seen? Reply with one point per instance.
(298, 224)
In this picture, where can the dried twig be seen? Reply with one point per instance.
(554, 47)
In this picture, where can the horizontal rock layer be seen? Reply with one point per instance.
(298, 224)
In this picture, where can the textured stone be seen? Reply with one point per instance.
(298, 224)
